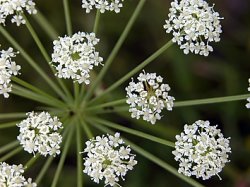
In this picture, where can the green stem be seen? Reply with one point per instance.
(10, 154)
(211, 100)
(134, 71)
(45, 25)
(36, 39)
(97, 20)
(35, 89)
(86, 129)
(115, 50)
(112, 110)
(156, 160)
(79, 158)
(31, 161)
(109, 104)
(9, 146)
(8, 125)
(16, 115)
(44, 170)
(17, 90)
(47, 58)
(31, 61)
(132, 131)
(62, 159)
(67, 17)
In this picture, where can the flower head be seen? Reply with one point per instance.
(8, 68)
(248, 99)
(194, 25)
(102, 5)
(75, 56)
(148, 97)
(201, 150)
(108, 158)
(16, 8)
(39, 133)
(11, 175)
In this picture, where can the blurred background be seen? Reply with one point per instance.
(224, 72)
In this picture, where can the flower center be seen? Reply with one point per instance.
(106, 163)
(75, 56)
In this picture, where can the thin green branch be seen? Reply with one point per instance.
(86, 129)
(62, 159)
(11, 154)
(67, 17)
(131, 131)
(8, 124)
(31, 162)
(211, 100)
(36, 39)
(115, 50)
(17, 90)
(47, 58)
(79, 158)
(155, 160)
(97, 20)
(45, 25)
(134, 71)
(112, 110)
(31, 61)
(9, 146)
(15, 115)
(35, 89)
(44, 169)
(108, 104)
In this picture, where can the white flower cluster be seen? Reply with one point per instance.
(11, 176)
(7, 69)
(75, 56)
(38, 133)
(194, 24)
(108, 158)
(248, 99)
(16, 8)
(102, 5)
(148, 97)
(201, 150)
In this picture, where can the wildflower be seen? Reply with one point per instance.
(11, 175)
(108, 158)
(148, 97)
(75, 56)
(201, 150)
(102, 5)
(16, 8)
(8, 68)
(38, 133)
(194, 25)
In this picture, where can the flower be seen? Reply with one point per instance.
(148, 97)
(16, 8)
(7, 69)
(102, 5)
(11, 175)
(108, 158)
(38, 133)
(75, 56)
(248, 99)
(194, 25)
(201, 150)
